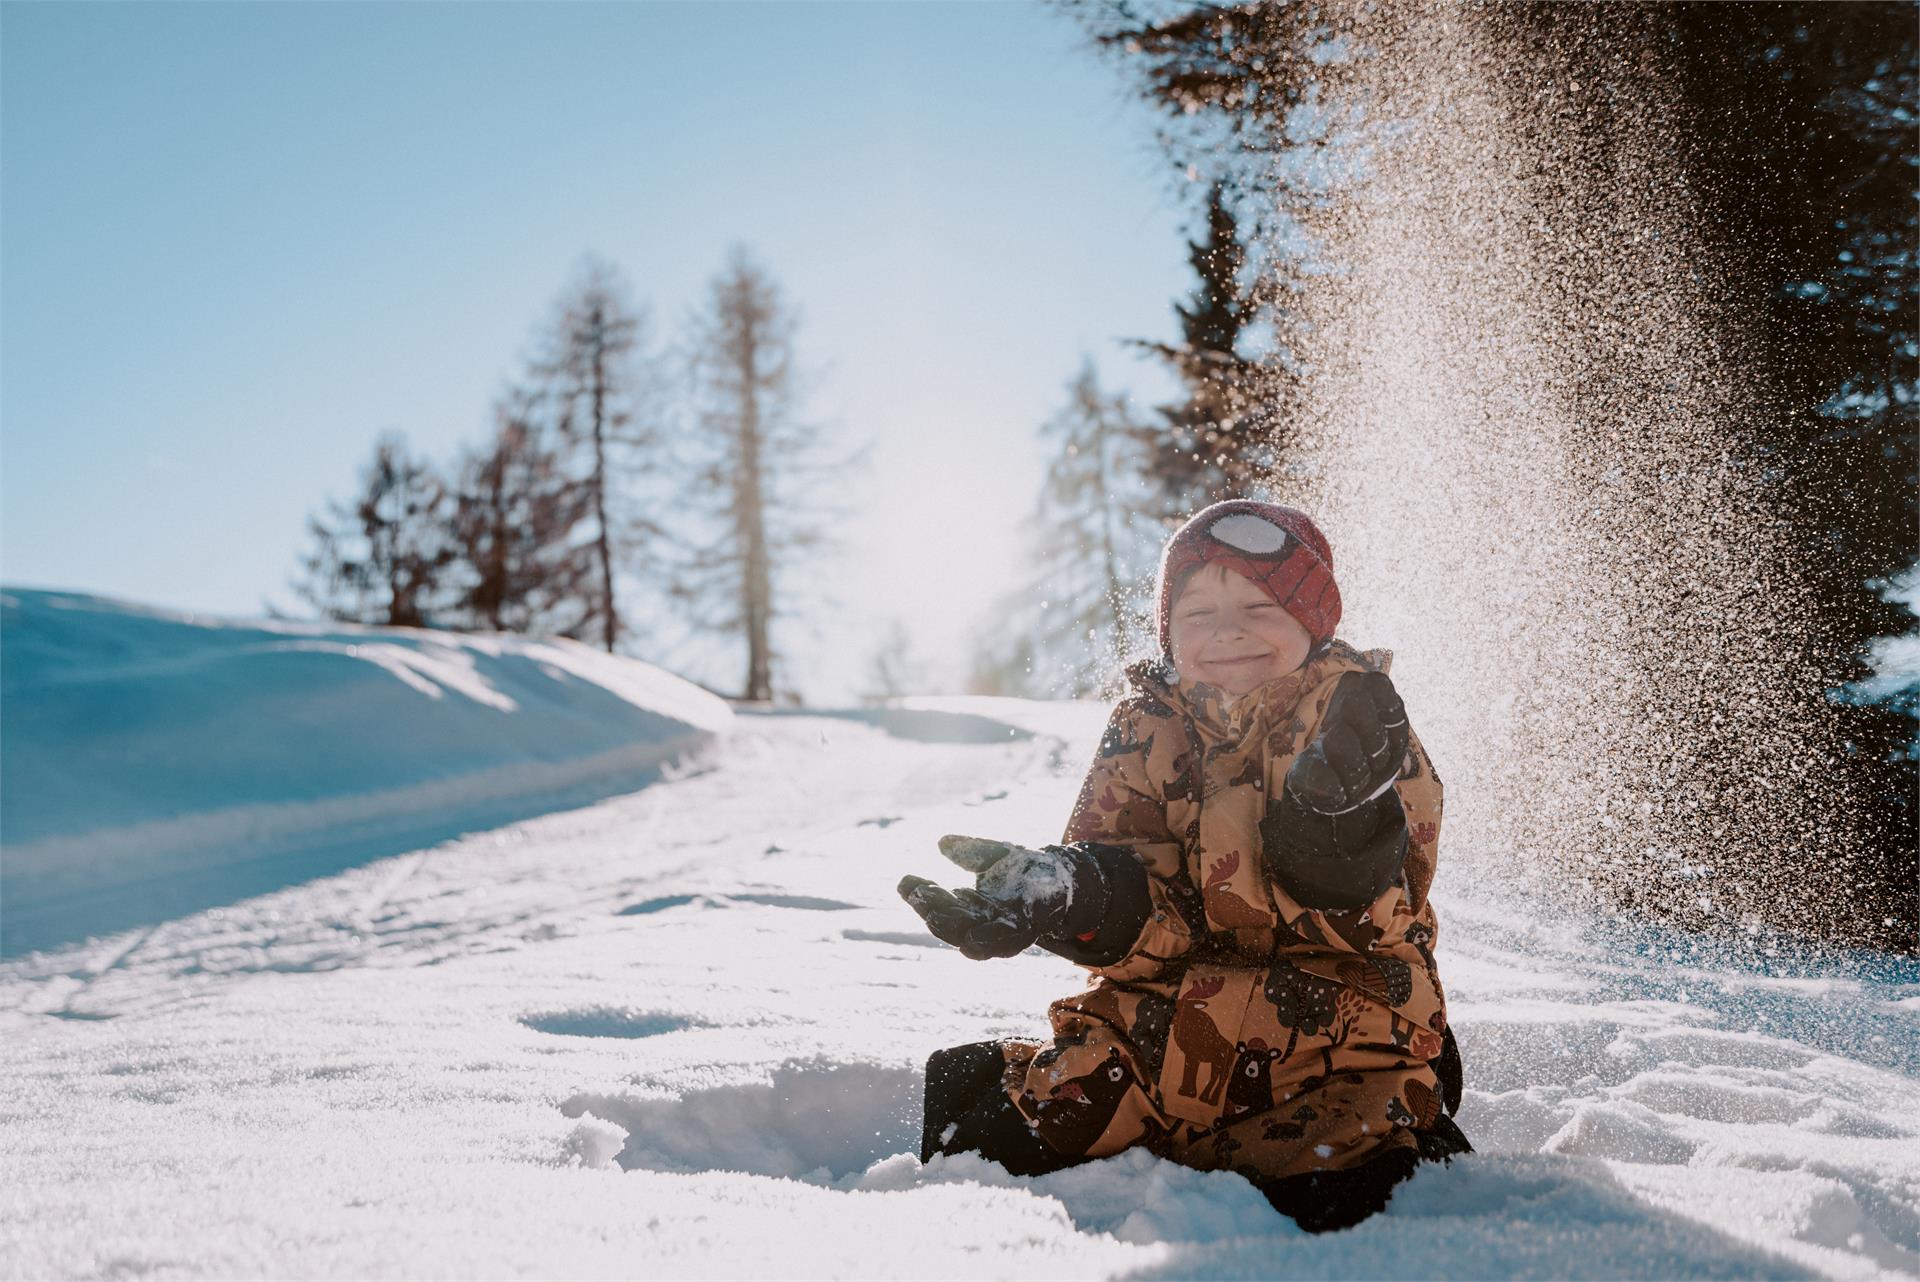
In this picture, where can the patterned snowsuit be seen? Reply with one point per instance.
(1240, 1031)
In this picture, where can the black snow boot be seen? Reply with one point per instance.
(1322, 1201)
(967, 1111)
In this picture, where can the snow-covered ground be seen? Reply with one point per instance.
(678, 1032)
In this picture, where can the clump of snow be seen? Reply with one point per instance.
(1625, 1131)
(1011, 874)
(594, 1143)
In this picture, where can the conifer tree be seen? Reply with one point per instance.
(597, 384)
(893, 669)
(1226, 437)
(1096, 527)
(511, 520)
(1003, 654)
(382, 558)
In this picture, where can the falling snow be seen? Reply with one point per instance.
(1525, 383)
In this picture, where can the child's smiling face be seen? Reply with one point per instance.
(1230, 634)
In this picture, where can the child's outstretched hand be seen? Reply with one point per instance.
(1360, 748)
(1019, 895)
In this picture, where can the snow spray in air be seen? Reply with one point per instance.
(1524, 381)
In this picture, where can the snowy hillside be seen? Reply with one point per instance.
(157, 762)
(678, 1033)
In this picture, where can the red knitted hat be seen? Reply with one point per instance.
(1278, 547)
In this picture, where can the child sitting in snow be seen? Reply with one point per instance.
(1245, 874)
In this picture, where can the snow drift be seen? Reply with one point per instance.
(153, 757)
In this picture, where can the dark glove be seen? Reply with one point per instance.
(1335, 861)
(1057, 896)
(1359, 750)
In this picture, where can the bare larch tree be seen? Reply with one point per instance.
(756, 500)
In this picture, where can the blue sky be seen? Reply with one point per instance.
(238, 241)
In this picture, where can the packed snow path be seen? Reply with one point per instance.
(679, 1033)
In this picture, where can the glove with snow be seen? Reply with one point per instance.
(1020, 897)
(1359, 751)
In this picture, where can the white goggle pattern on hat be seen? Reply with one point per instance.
(1245, 532)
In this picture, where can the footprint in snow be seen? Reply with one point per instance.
(816, 1120)
(813, 903)
(611, 1021)
(911, 938)
(661, 904)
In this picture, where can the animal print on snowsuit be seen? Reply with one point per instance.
(1241, 1030)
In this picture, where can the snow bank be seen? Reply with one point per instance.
(158, 762)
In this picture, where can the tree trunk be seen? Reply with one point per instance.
(603, 549)
(757, 582)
